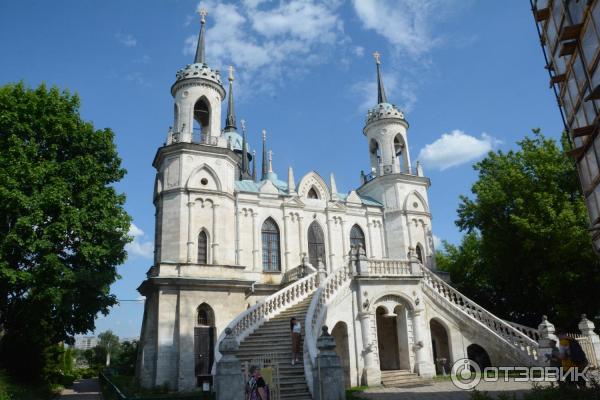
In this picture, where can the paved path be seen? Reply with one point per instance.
(84, 389)
(444, 390)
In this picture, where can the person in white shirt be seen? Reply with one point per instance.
(296, 331)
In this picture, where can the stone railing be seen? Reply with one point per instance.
(533, 333)
(249, 320)
(296, 273)
(520, 341)
(316, 315)
(389, 267)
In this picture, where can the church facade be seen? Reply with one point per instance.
(236, 245)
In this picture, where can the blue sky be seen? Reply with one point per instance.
(469, 75)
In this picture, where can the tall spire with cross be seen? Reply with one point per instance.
(381, 97)
(199, 59)
(265, 166)
(245, 170)
(254, 165)
(230, 120)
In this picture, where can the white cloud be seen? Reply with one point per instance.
(455, 148)
(139, 247)
(126, 39)
(359, 51)
(271, 43)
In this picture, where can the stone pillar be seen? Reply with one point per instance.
(547, 341)
(370, 233)
(215, 237)
(301, 236)
(415, 264)
(229, 382)
(423, 361)
(362, 265)
(321, 272)
(190, 242)
(286, 251)
(329, 378)
(371, 374)
(344, 244)
(330, 243)
(587, 329)
(254, 242)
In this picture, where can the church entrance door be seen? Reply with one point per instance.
(316, 244)
(387, 340)
(204, 344)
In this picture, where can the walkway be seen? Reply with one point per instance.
(445, 390)
(84, 389)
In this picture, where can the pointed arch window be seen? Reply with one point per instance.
(357, 237)
(316, 244)
(419, 251)
(270, 246)
(202, 248)
(312, 193)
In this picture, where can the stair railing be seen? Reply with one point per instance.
(316, 314)
(521, 341)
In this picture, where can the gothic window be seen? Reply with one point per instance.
(312, 194)
(357, 237)
(202, 248)
(201, 119)
(420, 252)
(316, 244)
(270, 246)
(206, 315)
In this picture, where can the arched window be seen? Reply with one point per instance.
(316, 244)
(204, 342)
(357, 237)
(202, 248)
(206, 315)
(420, 252)
(201, 119)
(312, 194)
(375, 154)
(270, 246)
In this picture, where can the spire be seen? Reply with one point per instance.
(230, 120)
(291, 183)
(254, 165)
(333, 187)
(244, 149)
(199, 59)
(270, 152)
(381, 97)
(264, 156)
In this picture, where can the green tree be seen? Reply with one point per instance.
(110, 343)
(63, 228)
(527, 251)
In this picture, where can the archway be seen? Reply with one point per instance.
(401, 154)
(419, 250)
(204, 343)
(375, 155)
(357, 237)
(387, 340)
(441, 347)
(316, 244)
(478, 354)
(201, 120)
(340, 334)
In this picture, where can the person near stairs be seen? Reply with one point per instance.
(256, 387)
(296, 330)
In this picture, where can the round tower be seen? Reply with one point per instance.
(198, 94)
(386, 131)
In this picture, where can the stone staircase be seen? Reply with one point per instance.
(401, 377)
(274, 337)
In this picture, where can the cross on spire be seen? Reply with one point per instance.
(199, 58)
(377, 57)
(270, 152)
(230, 69)
(202, 13)
(381, 97)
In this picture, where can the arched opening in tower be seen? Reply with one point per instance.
(201, 120)
(441, 347)
(375, 154)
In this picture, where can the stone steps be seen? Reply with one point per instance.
(274, 336)
(401, 377)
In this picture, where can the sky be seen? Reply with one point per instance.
(468, 74)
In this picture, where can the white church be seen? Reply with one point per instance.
(246, 249)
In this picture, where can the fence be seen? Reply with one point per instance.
(269, 368)
(588, 348)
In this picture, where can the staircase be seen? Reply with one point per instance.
(274, 337)
(401, 377)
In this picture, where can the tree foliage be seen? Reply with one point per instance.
(63, 227)
(527, 251)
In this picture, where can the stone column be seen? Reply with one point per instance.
(329, 378)
(329, 242)
(423, 363)
(371, 374)
(286, 253)
(301, 236)
(215, 237)
(587, 329)
(547, 341)
(361, 263)
(370, 233)
(254, 242)
(344, 244)
(321, 272)
(229, 382)
(190, 242)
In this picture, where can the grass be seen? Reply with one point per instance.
(12, 390)
(131, 389)
(352, 393)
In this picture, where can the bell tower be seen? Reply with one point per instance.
(392, 180)
(198, 94)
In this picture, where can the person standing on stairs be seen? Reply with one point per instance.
(296, 330)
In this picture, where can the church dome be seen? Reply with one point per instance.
(384, 111)
(199, 71)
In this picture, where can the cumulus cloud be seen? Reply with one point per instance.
(126, 39)
(271, 42)
(456, 148)
(139, 246)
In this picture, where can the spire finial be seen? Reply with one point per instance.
(265, 169)
(230, 119)
(381, 97)
(245, 166)
(270, 160)
(254, 165)
(199, 59)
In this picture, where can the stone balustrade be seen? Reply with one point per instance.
(519, 341)
(389, 267)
